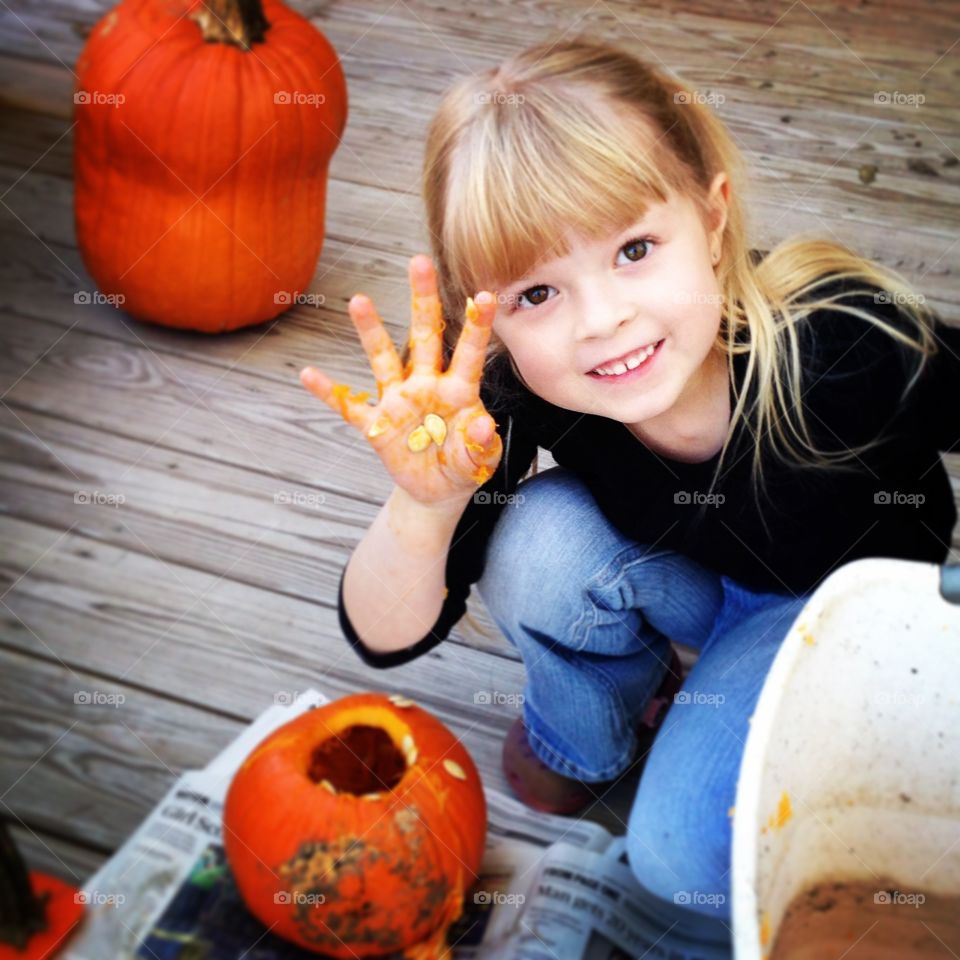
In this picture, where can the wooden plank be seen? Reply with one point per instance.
(196, 459)
(40, 274)
(70, 861)
(437, 42)
(384, 148)
(275, 429)
(182, 508)
(803, 177)
(228, 482)
(207, 639)
(89, 772)
(796, 168)
(810, 70)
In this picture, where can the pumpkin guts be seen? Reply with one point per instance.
(341, 393)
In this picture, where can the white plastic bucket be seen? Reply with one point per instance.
(851, 768)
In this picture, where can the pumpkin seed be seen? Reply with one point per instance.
(371, 796)
(436, 426)
(380, 425)
(419, 439)
(400, 701)
(327, 785)
(412, 757)
(407, 744)
(454, 769)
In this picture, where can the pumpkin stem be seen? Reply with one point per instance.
(240, 22)
(22, 913)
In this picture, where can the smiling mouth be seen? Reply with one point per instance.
(634, 361)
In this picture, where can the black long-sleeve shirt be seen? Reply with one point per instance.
(897, 500)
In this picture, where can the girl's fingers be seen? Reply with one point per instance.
(384, 360)
(352, 407)
(426, 324)
(471, 349)
(483, 446)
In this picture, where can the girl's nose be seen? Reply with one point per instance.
(602, 311)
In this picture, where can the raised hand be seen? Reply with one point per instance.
(429, 426)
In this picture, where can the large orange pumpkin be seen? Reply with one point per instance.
(355, 829)
(204, 133)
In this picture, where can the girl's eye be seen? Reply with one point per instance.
(634, 245)
(533, 296)
(640, 247)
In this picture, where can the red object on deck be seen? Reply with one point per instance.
(64, 911)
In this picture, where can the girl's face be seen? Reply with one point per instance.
(652, 285)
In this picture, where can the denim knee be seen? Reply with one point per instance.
(675, 861)
(536, 538)
(555, 560)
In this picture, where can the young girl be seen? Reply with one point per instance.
(728, 430)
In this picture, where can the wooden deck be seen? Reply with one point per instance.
(204, 595)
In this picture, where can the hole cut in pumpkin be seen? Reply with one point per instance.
(360, 759)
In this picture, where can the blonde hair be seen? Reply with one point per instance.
(512, 153)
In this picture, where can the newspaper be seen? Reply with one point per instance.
(550, 888)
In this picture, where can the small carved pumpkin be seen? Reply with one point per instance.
(355, 829)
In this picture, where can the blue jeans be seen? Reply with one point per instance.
(593, 614)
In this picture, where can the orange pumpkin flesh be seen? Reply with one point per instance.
(355, 829)
(200, 196)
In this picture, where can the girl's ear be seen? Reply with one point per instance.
(717, 200)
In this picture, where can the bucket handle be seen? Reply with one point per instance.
(950, 582)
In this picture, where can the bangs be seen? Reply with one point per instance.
(532, 168)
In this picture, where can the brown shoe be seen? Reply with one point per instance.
(535, 784)
(538, 786)
(653, 716)
(659, 703)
